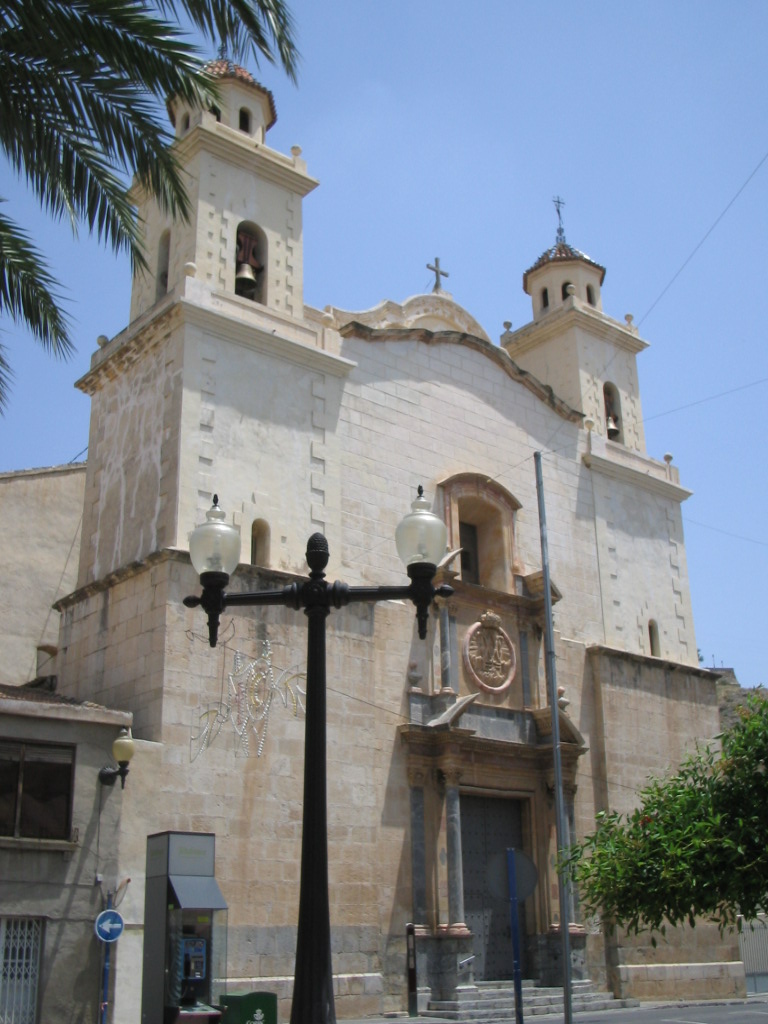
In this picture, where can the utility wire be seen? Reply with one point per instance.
(703, 240)
(709, 398)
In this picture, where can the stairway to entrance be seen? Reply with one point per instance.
(495, 1000)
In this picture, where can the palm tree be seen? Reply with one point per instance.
(80, 82)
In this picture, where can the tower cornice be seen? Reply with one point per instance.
(573, 313)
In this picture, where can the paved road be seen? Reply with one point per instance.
(750, 1011)
(741, 1012)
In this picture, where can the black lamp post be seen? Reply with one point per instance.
(214, 549)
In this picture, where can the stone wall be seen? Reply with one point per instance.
(40, 521)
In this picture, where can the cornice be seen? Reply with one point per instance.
(264, 340)
(127, 347)
(242, 151)
(149, 330)
(573, 313)
(636, 476)
(597, 652)
(497, 355)
(64, 710)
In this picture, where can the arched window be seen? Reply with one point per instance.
(250, 261)
(653, 638)
(613, 425)
(480, 519)
(216, 113)
(565, 290)
(544, 298)
(260, 542)
(590, 295)
(245, 120)
(163, 259)
(185, 124)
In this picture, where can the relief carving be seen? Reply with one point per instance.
(489, 655)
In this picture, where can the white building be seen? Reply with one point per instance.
(309, 421)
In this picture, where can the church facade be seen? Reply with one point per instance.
(439, 751)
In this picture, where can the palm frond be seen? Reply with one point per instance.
(82, 83)
(27, 296)
(265, 27)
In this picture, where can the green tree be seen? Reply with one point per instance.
(80, 82)
(695, 847)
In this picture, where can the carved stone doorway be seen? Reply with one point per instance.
(489, 826)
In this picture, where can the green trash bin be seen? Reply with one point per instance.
(249, 1008)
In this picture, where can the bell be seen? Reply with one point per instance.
(245, 273)
(613, 428)
(245, 282)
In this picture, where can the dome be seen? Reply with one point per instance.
(561, 252)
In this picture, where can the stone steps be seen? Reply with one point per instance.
(496, 1001)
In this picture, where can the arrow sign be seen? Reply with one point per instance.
(109, 926)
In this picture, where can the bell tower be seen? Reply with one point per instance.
(244, 234)
(177, 398)
(585, 356)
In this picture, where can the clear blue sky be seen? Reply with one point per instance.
(442, 128)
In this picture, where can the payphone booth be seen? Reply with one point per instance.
(185, 931)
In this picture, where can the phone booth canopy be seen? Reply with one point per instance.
(185, 931)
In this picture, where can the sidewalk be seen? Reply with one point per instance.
(403, 1018)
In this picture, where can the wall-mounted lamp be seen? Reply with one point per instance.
(123, 750)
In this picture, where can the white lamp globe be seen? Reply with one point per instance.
(214, 546)
(421, 535)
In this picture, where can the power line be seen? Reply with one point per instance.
(726, 533)
(709, 398)
(703, 240)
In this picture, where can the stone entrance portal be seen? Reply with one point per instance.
(489, 826)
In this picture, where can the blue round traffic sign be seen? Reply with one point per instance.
(109, 925)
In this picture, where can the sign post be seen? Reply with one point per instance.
(108, 927)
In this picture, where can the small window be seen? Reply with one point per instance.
(544, 298)
(480, 517)
(612, 404)
(245, 120)
(469, 553)
(163, 261)
(21, 942)
(36, 784)
(653, 637)
(216, 113)
(565, 290)
(590, 295)
(250, 260)
(185, 124)
(260, 542)
(525, 668)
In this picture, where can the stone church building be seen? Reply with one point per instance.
(439, 751)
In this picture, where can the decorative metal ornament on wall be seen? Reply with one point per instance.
(252, 688)
(489, 654)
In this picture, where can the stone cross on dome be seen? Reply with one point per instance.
(559, 204)
(438, 274)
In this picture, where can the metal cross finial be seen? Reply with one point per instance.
(559, 204)
(438, 274)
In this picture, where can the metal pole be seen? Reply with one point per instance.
(313, 1001)
(105, 973)
(559, 803)
(514, 916)
(313, 980)
(413, 991)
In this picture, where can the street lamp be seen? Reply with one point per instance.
(214, 549)
(123, 749)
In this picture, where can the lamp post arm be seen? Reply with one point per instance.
(214, 599)
(420, 590)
